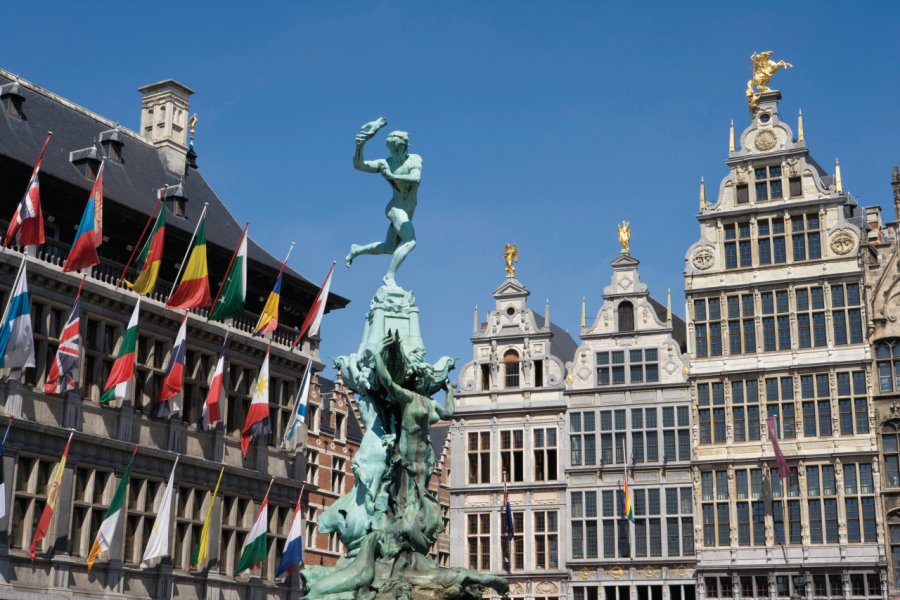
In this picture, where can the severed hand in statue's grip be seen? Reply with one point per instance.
(367, 131)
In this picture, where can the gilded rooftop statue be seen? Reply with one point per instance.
(625, 236)
(511, 256)
(763, 69)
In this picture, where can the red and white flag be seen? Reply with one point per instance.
(784, 470)
(210, 414)
(26, 227)
(313, 319)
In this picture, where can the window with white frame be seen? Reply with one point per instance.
(546, 539)
(846, 314)
(479, 457)
(582, 438)
(584, 524)
(741, 324)
(822, 504)
(714, 506)
(816, 397)
(811, 330)
(676, 433)
(852, 402)
(479, 538)
(806, 234)
(745, 409)
(644, 435)
(544, 453)
(708, 327)
(887, 359)
(512, 461)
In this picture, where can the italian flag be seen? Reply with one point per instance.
(256, 546)
(230, 301)
(123, 369)
(112, 517)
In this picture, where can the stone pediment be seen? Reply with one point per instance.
(511, 288)
(625, 261)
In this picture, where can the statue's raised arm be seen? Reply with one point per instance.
(403, 172)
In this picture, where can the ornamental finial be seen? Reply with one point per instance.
(625, 236)
(511, 256)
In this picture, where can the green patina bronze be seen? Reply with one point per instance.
(390, 520)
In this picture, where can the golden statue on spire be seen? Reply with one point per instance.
(625, 236)
(511, 255)
(763, 69)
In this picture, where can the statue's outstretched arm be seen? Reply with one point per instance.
(360, 164)
(446, 410)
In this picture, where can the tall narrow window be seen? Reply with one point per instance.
(806, 236)
(745, 409)
(485, 377)
(822, 501)
(847, 314)
(546, 539)
(771, 242)
(538, 373)
(816, 405)
(545, 454)
(859, 502)
(584, 524)
(737, 245)
(811, 317)
(626, 316)
(780, 404)
(776, 320)
(711, 401)
(887, 357)
(511, 366)
(511, 454)
(741, 324)
(479, 538)
(479, 452)
(582, 441)
(708, 327)
(852, 402)
(714, 505)
(890, 441)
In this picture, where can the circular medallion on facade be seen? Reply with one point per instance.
(843, 241)
(616, 572)
(703, 258)
(650, 572)
(765, 141)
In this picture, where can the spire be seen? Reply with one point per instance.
(475, 321)
(731, 137)
(547, 313)
(669, 306)
(895, 184)
(838, 186)
(583, 313)
(800, 137)
(702, 195)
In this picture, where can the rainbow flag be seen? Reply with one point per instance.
(627, 508)
(193, 291)
(151, 256)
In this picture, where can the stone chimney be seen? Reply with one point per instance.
(164, 118)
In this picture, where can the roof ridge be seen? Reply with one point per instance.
(71, 105)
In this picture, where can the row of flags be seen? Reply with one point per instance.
(254, 551)
(17, 351)
(191, 288)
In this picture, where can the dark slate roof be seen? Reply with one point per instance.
(134, 182)
(438, 433)
(679, 329)
(562, 345)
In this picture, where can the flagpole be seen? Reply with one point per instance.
(159, 199)
(6, 434)
(189, 248)
(306, 374)
(228, 269)
(80, 286)
(37, 165)
(302, 332)
(284, 264)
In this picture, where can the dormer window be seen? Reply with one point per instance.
(12, 98)
(511, 366)
(87, 161)
(111, 142)
(768, 183)
(626, 316)
(176, 200)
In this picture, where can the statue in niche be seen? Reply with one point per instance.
(403, 172)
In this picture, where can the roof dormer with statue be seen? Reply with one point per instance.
(512, 347)
(774, 192)
(628, 323)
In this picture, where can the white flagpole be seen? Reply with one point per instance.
(189, 247)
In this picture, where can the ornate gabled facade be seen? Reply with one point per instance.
(776, 318)
(507, 430)
(629, 412)
(882, 264)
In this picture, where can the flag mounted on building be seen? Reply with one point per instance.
(151, 254)
(63, 375)
(627, 508)
(158, 545)
(784, 470)
(16, 339)
(293, 545)
(298, 419)
(199, 556)
(52, 496)
(268, 320)
(313, 319)
(26, 227)
(119, 380)
(110, 524)
(256, 544)
(257, 422)
(193, 290)
(2, 476)
(169, 400)
(233, 290)
(84, 249)
(210, 415)
(508, 524)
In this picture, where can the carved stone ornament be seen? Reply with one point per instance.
(616, 572)
(650, 572)
(765, 140)
(843, 241)
(742, 172)
(585, 573)
(703, 258)
(547, 587)
(516, 589)
(793, 166)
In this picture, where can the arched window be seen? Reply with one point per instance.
(511, 364)
(890, 441)
(887, 356)
(626, 316)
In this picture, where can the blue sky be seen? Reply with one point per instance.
(540, 123)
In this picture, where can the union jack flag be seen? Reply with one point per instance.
(64, 370)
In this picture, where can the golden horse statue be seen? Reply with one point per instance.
(763, 69)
